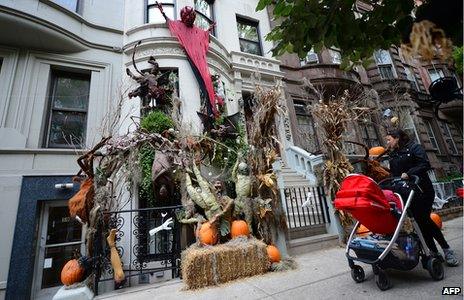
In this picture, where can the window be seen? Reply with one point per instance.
(411, 77)
(384, 63)
(435, 74)
(153, 13)
(336, 56)
(311, 58)
(69, 96)
(448, 138)
(248, 35)
(204, 14)
(431, 134)
(72, 5)
(305, 126)
(369, 134)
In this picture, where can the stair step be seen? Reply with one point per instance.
(312, 243)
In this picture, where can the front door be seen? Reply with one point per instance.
(59, 237)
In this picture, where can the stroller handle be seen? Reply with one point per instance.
(414, 178)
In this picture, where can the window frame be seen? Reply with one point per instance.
(210, 20)
(78, 9)
(335, 60)
(55, 73)
(437, 70)
(383, 65)
(414, 84)
(251, 22)
(449, 137)
(149, 6)
(429, 129)
(306, 61)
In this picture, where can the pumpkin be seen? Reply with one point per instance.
(72, 272)
(238, 228)
(273, 253)
(207, 234)
(436, 219)
(362, 230)
(376, 151)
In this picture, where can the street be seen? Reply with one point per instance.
(320, 275)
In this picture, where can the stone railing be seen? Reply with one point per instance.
(303, 162)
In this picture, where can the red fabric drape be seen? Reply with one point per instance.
(195, 42)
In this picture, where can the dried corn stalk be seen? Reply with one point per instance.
(427, 41)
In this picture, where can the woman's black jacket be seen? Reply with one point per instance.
(412, 160)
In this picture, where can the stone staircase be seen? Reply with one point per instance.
(307, 229)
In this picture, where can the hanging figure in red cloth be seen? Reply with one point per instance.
(195, 42)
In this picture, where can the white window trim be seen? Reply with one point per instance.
(450, 137)
(390, 63)
(428, 123)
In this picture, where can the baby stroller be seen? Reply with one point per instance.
(383, 213)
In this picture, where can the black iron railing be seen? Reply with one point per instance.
(306, 206)
(140, 252)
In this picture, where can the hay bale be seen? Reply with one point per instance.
(212, 265)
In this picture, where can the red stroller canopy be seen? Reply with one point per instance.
(368, 203)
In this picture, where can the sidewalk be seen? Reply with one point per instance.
(320, 275)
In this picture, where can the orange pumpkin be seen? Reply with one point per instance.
(238, 228)
(436, 219)
(273, 253)
(376, 151)
(208, 234)
(72, 272)
(362, 230)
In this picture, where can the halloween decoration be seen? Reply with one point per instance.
(238, 258)
(163, 183)
(195, 42)
(72, 272)
(372, 167)
(239, 228)
(442, 91)
(242, 178)
(362, 231)
(208, 234)
(436, 219)
(273, 253)
(427, 41)
(148, 82)
(375, 151)
(81, 203)
(119, 277)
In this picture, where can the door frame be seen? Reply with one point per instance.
(37, 290)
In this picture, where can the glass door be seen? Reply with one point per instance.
(60, 236)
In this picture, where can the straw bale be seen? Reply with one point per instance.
(212, 265)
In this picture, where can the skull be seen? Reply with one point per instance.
(187, 15)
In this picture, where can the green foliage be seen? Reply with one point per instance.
(306, 24)
(156, 122)
(458, 56)
(146, 158)
(450, 177)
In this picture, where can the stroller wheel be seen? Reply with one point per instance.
(357, 273)
(435, 268)
(382, 280)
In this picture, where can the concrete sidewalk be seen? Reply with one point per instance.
(320, 275)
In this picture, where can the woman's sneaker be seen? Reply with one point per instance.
(450, 258)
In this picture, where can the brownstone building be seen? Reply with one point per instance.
(397, 85)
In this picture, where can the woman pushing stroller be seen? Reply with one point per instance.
(407, 158)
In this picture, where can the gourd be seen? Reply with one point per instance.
(273, 253)
(436, 219)
(238, 228)
(207, 234)
(72, 272)
(376, 151)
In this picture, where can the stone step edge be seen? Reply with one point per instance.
(312, 240)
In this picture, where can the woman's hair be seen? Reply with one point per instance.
(401, 135)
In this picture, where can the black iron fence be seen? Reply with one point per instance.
(306, 206)
(142, 253)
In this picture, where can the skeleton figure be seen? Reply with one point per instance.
(242, 178)
(149, 85)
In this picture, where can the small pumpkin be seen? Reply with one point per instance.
(376, 151)
(207, 234)
(72, 272)
(362, 230)
(436, 219)
(238, 228)
(273, 253)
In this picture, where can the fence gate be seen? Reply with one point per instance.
(141, 253)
